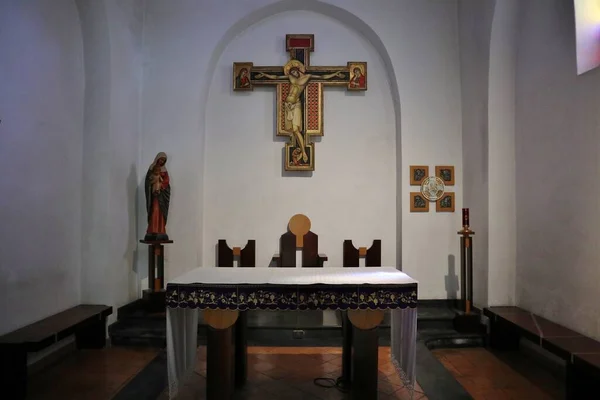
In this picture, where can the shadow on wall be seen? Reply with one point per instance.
(451, 279)
(131, 252)
(141, 252)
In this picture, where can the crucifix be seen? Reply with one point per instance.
(300, 95)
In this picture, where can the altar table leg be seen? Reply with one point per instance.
(241, 349)
(220, 362)
(365, 355)
(365, 352)
(346, 350)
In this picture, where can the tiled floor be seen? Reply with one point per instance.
(281, 373)
(90, 374)
(488, 376)
(289, 373)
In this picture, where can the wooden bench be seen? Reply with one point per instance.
(581, 354)
(86, 322)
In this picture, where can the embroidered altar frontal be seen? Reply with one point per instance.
(292, 289)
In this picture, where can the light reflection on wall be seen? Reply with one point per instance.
(587, 31)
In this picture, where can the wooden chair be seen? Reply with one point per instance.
(247, 259)
(352, 255)
(351, 260)
(226, 254)
(299, 236)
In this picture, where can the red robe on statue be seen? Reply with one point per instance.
(158, 197)
(158, 223)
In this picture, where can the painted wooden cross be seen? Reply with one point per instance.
(300, 95)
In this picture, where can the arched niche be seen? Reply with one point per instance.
(343, 17)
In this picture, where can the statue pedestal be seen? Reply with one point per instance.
(154, 300)
(154, 296)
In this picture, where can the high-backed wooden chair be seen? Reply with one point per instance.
(299, 236)
(351, 259)
(247, 259)
(226, 254)
(352, 255)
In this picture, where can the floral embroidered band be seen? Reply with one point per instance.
(291, 297)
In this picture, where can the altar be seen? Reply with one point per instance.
(225, 294)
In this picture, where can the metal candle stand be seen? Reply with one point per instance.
(466, 263)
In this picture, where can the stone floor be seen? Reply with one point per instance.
(486, 375)
(90, 374)
(289, 373)
(281, 373)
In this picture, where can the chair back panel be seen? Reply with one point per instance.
(225, 255)
(352, 254)
(287, 248)
(310, 251)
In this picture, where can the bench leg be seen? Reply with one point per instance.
(581, 384)
(13, 379)
(502, 336)
(92, 336)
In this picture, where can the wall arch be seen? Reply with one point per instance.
(345, 17)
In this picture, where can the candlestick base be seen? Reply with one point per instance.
(467, 322)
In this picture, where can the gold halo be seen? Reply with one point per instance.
(299, 225)
(360, 67)
(293, 64)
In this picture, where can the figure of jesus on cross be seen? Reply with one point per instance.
(299, 95)
(296, 72)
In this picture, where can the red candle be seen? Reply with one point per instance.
(465, 213)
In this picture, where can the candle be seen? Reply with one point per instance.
(465, 215)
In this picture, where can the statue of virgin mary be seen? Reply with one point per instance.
(158, 196)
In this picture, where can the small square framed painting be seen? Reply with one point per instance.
(242, 73)
(446, 173)
(418, 202)
(418, 173)
(445, 203)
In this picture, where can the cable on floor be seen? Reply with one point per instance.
(338, 383)
(342, 386)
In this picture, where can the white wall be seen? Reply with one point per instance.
(41, 108)
(502, 224)
(352, 192)
(557, 160)
(418, 45)
(475, 28)
(112, 35)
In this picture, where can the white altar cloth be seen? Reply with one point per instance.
(295, 276)
(182, 322)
